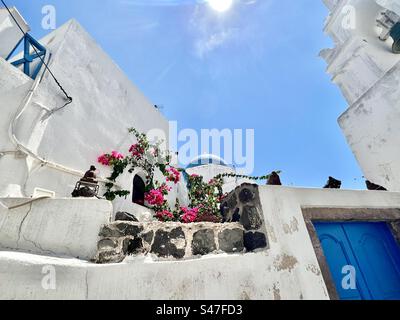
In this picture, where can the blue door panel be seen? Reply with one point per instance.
(371, 249)
(338, 254)
(379, 256)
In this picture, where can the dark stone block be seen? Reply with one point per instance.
(231, 240)
(148, 237)
(110, 232)
(255, 240)
(132, 246)
(232, 201)
(225, 211)
(236, 216)
(246, 195)
(251, 220)
(203, 242)
(163, 245)
(227, 215)
(109, 257)
(121, 229)
(107, 244)
(129, 230)
(125, 216)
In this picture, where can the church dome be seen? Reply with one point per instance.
(206, 159)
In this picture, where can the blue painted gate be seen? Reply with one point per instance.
(367, 251)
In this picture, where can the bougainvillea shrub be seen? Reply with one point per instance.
(205, 197)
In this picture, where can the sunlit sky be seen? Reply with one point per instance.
(238, 64)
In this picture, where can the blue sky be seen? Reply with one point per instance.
(254, 66)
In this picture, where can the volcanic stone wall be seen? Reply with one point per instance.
(168, 240)
(243, 230)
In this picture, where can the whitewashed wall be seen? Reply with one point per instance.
(56, 227)
(14, 86)
(367, 72)
(10, 34)
(105, 104)
(287, 270)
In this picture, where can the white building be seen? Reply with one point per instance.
(285, 243)
(209, 166)
(367, 72)
(46, 146)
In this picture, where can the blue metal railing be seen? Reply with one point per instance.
(29, 57)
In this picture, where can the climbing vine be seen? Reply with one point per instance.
(233, 175)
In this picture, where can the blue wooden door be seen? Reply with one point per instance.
(367, 251)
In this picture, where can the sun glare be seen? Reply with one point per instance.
(220, 5)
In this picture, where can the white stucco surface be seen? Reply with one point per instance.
(210, 171)
(10, 34)
(367, 72)
(53, 232)
(372, 128)
(59, 227)
(105, 104)
(287, 270)
(14, 86)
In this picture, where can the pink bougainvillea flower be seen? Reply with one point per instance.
(104, 160)
(194, 175)
(117, 155)
(136, 150)
(164, 216)
(173, 175)
(154, 197)
(109, 159)
(164, 189)
(189, 215)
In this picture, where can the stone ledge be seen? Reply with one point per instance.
(168, 240)
(62, 227)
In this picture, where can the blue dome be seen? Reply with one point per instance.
(207, 159)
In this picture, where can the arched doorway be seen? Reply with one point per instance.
(138, 190)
